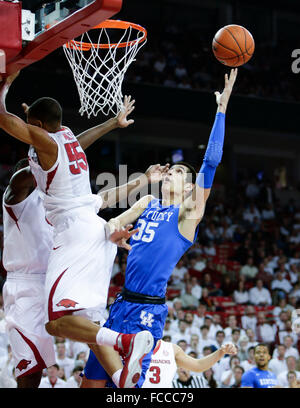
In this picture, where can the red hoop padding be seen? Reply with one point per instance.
(83, 46)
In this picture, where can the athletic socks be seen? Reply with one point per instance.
(106, 337)
(116, 377)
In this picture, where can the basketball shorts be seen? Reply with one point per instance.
(24, 308)
(127, 317)
(79, 268)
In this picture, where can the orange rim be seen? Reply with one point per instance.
(83, 46)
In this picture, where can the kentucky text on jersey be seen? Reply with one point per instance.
(156, 249)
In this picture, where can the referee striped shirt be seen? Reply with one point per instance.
(197, 381)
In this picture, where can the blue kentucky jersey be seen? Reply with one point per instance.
(156, 249)
(257, 378)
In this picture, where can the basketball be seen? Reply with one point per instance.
(233, 45)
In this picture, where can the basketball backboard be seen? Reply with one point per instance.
(27, 37)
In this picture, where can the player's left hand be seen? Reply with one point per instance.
(128, 107)
(229, 348)
(155, 172)
(119, 235)
(223, 98)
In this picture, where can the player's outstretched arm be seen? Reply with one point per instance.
(88, 137)
(152, 175)
(194, 205)
(16, 127)
(202, 364)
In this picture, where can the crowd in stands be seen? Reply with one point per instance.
(239, 282)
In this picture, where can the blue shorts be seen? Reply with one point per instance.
(127, 317)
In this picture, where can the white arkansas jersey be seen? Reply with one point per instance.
(28, 238)
(162, 368)
(67, 184)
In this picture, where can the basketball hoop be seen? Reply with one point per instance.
(99, 66)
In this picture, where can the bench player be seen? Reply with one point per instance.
(167, 229)
(80, 263)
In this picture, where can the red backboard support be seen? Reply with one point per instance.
(71, 27)
(11, 35)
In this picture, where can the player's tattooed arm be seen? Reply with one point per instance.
(88, 137)
(199, 365)
(114, 195)
(33, 135)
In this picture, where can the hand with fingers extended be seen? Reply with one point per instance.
(119, 235)
(223, 98)
(128, 107)
(155, 172)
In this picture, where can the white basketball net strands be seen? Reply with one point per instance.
(99, 67)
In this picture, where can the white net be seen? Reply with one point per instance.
(99, 66)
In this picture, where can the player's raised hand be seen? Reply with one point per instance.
(229, 348)
(155, 172)
(223, 98)
(128, 107)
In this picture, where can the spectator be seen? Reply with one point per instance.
(250, 362)
(232, 324)
(205, 340)
(292, 380)
(241, 294)
(238, 371)
(75, 380)
(52, 380)
(188, 300)
(63, 361)
(182, 333)
(287, 331)
(196, 288)
(210, 286)
(227, 377)
(264, 331)
(243, 348)
(227, 287)
(220, 338)
(278, 364)
(191, 323)
(281, 287)
(268, 212)
(235, 337)
(249, 319)
(178, 273)
(251, 336)
(209, 377)
(291, 366)
(260, 296)
(168, 331)
(249, 270)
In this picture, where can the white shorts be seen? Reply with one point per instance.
(79, 268)
(24, 308)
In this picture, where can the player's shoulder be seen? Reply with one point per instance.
(21, 177)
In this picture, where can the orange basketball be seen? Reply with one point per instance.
(233, 45)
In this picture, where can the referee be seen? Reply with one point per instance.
(186, 380)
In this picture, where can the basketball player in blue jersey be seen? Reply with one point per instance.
(260, 376)
(167, 229)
